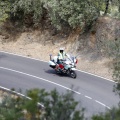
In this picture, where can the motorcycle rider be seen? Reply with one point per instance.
(61, 56)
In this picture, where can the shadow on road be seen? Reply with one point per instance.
(50, 71)
(2, 56)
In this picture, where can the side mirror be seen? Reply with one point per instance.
(50, 56)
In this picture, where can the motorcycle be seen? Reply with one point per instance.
(67, 66)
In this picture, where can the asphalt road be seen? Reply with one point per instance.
(94, 93)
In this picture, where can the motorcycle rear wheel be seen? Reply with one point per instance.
(73, 74)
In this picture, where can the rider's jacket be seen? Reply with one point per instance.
(61, 56)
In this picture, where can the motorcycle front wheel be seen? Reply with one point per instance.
(73, 74)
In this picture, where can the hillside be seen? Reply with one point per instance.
(89, 46)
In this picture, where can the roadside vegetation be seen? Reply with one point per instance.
(56, 106)
(67, 16)
(70, 14)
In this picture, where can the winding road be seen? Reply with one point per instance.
(94, 93)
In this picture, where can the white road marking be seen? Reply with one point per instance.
(51, 83)
(88, 97)
(39, 79)
(46, 61)
(102, 104)
(6, 89)
(96, 76)
(23, 56)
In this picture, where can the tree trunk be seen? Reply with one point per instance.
(119, 5)
(107, 7)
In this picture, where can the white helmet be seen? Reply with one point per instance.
(61, 49)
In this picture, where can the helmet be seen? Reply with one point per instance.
(61, 49)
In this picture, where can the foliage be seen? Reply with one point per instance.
(114, 52)
(62, 13)
(4, 10)
(57, 107)
(28, 10)
(113, 114)
(71, 13)
(99, 4)
(115, 9)
(116, 66)
(116, 3)
(10, 109)
(62, 107)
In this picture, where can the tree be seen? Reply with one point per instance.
(56, 107)
(72, 13)
(10, 108)
(113, 114)
(116, 66)
(107, 6)
(4, 10)
(116, 3)
(114, 52)
(28, 11)
(119, 5)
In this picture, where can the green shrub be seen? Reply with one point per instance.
(56, 106)
(4, 10)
